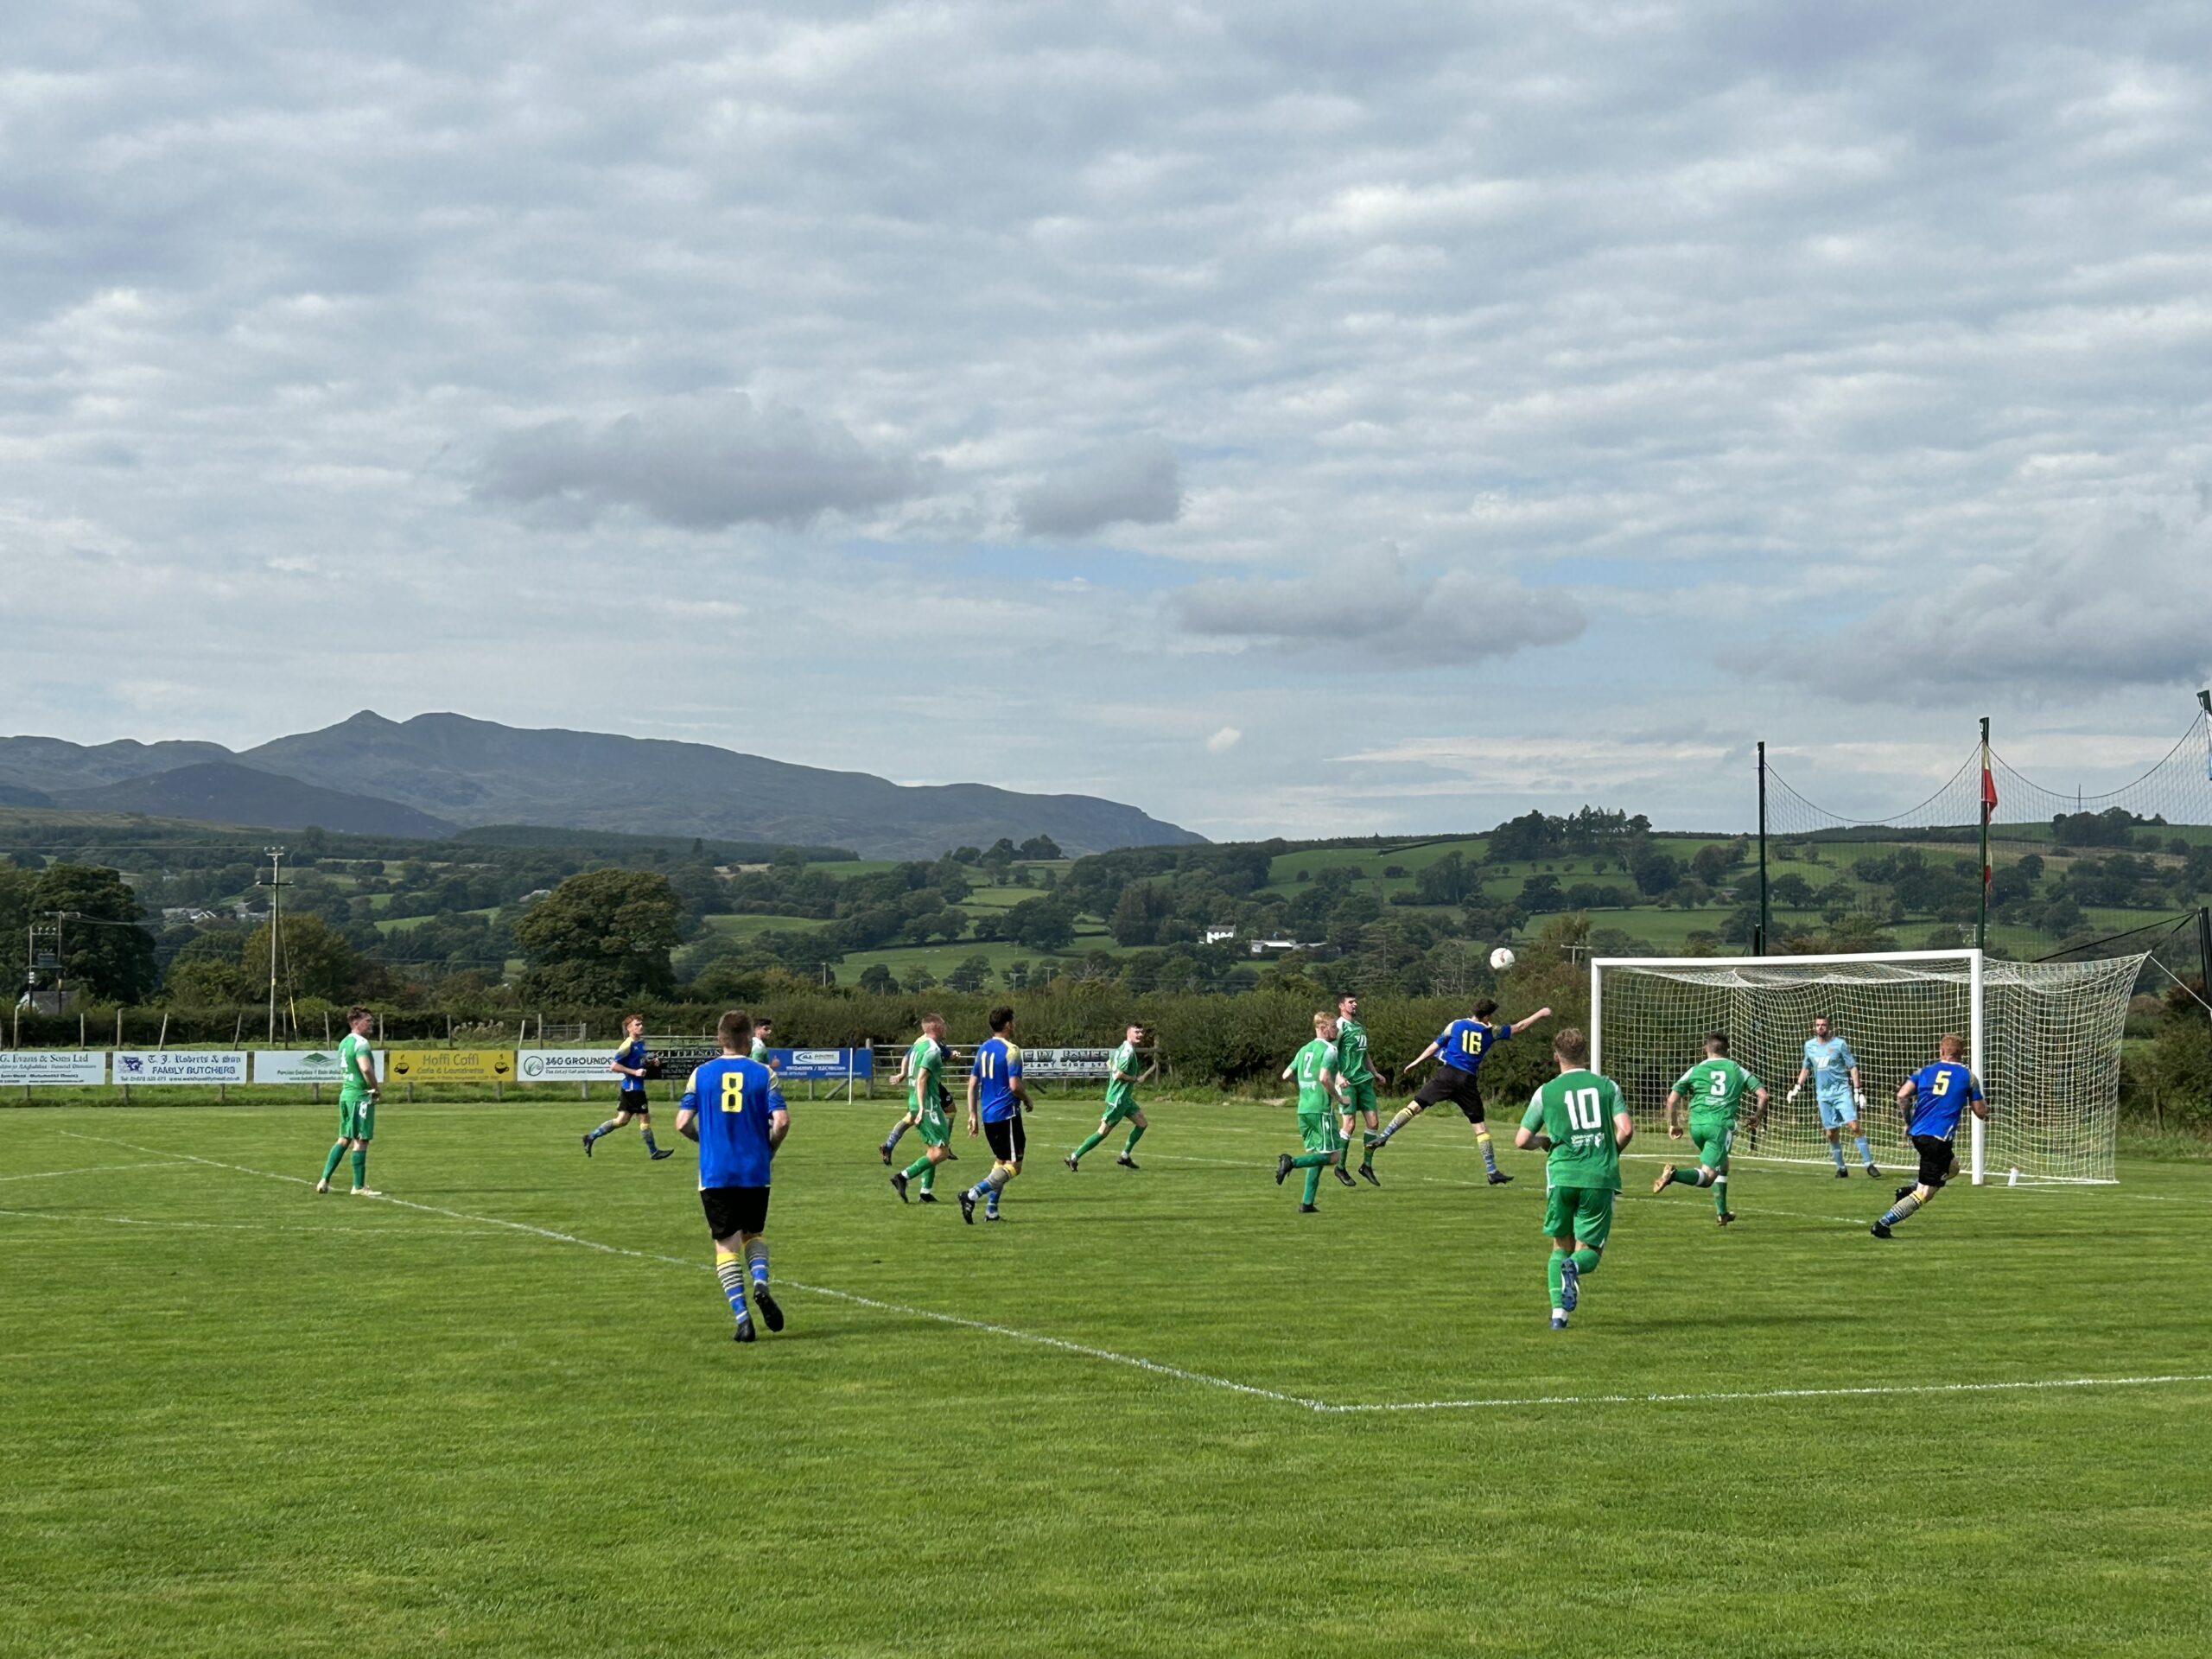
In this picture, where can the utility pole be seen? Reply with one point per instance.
(275, 857)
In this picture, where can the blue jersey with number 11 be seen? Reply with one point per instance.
(735, 1100)
(998, 1068)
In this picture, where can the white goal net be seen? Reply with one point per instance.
(2042, 1037)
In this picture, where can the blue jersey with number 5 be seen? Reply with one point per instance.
(735, 1100)
(1940, 1093)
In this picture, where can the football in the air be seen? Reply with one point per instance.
(1500, 960)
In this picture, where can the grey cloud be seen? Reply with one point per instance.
(2119, 601)
(1375, 604)
(1136, 484)
(702, 464)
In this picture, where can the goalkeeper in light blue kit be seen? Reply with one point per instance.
(1834, 1069)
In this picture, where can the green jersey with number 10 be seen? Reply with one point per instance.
(1576, 1109)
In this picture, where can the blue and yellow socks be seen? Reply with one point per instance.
(1903, 1207)
(648, 1133)
(602, 1131)
(1489, 1153)
(730, 1268)
(891, 1141)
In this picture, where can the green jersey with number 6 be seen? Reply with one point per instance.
(1716, 1089)
(1576, 1109)
(1313, 1061)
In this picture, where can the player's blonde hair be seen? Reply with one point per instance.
(1572, 1046)
(1323, 1017)
(1950, 1046)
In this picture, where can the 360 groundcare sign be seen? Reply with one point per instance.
(300, 1065)
(53, 1068)
(565, 1065)
(171, 1066)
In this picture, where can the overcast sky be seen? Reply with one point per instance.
(1299, 418)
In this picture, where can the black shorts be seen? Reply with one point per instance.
(1460, 1088)
(1937, 1155)
(1008, 1138)
(734, 1209)
(634, 1101)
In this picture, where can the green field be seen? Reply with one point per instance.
(1149, 1413)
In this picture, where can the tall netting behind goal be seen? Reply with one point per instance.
(2043, 1038)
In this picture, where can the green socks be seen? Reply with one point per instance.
(360, 1166)
(1311, 1159)
(1552, 1278)
(1089, 1141)
(1136, 1134)
(919, 1166)
(1586, 1261)
(1720, 1195)
(330, 1164)
(1314, 1176)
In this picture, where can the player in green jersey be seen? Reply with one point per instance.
(1359, 1089)
(927, 1105)
(1121, 1080)
(357, 1104)
(1582, 1122)
(912, 1116)
(1713, 1090)
(764, 1038)
(1318, 1088)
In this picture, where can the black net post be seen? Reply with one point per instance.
(1766, 914)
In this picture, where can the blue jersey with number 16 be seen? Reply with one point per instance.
(735, 1100)
(1465, 1041)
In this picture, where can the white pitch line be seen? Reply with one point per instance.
(1135, 1361)
(226, 1226)
(1503, 1402)
(91, 1169)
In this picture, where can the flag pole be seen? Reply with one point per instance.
(1988, 800)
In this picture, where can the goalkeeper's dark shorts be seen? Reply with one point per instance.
(1461, 1088)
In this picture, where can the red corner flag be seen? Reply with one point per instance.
(1988, 807)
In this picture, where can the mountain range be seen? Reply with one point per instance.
(435, 773)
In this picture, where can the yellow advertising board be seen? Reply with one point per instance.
(453, 1066)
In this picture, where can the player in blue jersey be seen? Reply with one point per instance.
(733, 1110)
(631, 1063)
(1933, 1099)
(1462, 1047)
(1840, 1096)
(996, 1099)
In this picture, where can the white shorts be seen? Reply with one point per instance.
(1838, 1111)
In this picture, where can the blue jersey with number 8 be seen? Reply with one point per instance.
(735, 1100)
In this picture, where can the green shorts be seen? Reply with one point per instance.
(357, 1119)
(1114, 1114)
(1362, 1096)
(1584, 1211)
(935, 1128)
(1318, 1131)
(1715, 1138)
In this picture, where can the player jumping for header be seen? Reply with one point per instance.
(733, 1110)
(1122, 1081)
(1714, 1089)
(1462, 1048)
(1356, 1074)
(1581, 1121)
(1838, 1091)
(1933, 1100)
(1320, 1088)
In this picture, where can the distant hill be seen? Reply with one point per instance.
(227, 791)
(453, 770)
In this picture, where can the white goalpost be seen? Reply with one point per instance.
(2042, 1037)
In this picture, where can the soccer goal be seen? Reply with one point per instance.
(2042, 1037)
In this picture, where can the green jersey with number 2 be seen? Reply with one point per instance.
(1315, 1060)
(1576, 1109)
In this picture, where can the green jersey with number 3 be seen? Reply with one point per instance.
(1576, 1109)
(1717, 1089)
(1314, 1061)
(1122, 1090)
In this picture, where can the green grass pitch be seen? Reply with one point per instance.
(1151, 1413)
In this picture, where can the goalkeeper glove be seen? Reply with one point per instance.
(1860, 1101)
(1794, 1091)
